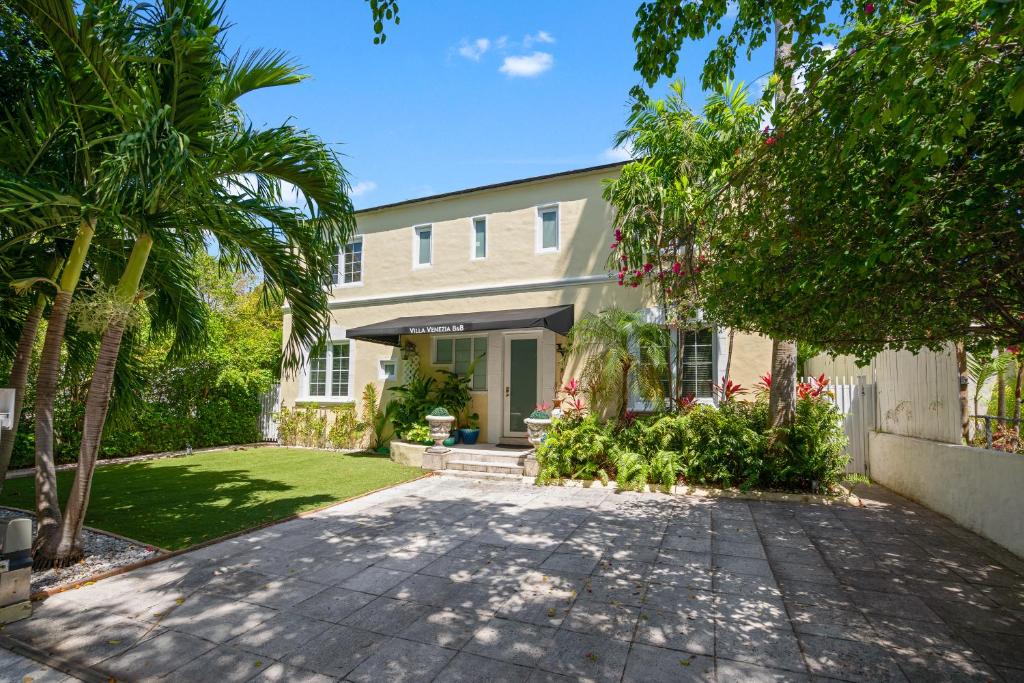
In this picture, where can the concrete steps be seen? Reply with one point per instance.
(468, 474)
(490, 466)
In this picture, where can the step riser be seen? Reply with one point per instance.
(484, 467)
(497, 458)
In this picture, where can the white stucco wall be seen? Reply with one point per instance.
(978, 488)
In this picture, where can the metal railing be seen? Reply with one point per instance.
(1013, 432)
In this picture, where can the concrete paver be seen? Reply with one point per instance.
(453, 579)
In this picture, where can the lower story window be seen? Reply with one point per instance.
(698, 364)
(330, 371)
(462, 353)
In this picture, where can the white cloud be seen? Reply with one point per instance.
(363, 187)
(623, 152)
(474, 50)
(501, 43)
(538, 37)
(527, 66)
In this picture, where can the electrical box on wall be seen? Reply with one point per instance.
(6, 408)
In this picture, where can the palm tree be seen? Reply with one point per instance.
(623, 354)
(192, 167)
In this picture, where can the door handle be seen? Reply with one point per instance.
(506, 392)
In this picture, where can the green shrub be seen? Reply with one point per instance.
(630, 470)
(725, 446)
(576, 448)
(345, 431)
(813, 456)
(418, 434)
(412, 402)
(721, 448)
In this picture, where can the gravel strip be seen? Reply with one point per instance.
(102, 553)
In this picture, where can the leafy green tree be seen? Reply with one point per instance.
(622, 354)
(884, 211)
(187, 165)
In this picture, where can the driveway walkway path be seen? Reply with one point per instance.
(449, 579)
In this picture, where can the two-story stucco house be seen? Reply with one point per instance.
(499, 274)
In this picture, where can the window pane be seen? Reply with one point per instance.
(479, 238)
(443, 352)
(698, 363)
(424, 246)
(463, 355)
(318, 373)
(480, 369)
(354, 262)
(388, 369)
(549, 222)
(339, 370)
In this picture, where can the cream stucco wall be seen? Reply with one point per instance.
(977, 488)
(513, 275)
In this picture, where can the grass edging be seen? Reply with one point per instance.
(845, 497)
(47, 592)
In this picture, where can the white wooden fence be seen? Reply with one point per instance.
(917, 393)
(855, 399)
(270, 404)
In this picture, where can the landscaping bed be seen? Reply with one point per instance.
(175, 503)
(103, 553)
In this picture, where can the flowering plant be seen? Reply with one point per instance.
(728, 390)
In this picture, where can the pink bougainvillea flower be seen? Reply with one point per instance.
(618, 235)
(770, 140)
(648, 267)
(869, 8)
(677, 267)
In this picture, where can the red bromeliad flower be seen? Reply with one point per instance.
(764, 387)
(728, 390)
(687, 403)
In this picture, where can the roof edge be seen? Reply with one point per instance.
(494, 186)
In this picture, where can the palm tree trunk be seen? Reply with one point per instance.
(782, 398)
(624, 398)
(66, 547)
(728, 357)
(18, 380)
(47, 503)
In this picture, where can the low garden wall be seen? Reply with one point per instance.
(405, 453)
(980, 489)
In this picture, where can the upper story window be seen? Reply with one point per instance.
(328, 374)
(423, 246)
(698, 363)
(349, 269)
(462, 353)
(548, 227)
(479, 238)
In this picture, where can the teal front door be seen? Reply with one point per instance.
(522, 382)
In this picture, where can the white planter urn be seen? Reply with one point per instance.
(440, 429)
(537, 429)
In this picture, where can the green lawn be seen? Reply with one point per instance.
(178, 502)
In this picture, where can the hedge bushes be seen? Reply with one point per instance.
(729, 446)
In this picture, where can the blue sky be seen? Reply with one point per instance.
(463, 93)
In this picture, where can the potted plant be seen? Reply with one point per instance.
(440, 422)
(537, 424)
(471, 432)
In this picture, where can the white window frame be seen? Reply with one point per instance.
(416, 265)
(384, 374)
(328, 396)
(451, 366)
(541, 209)
(341, 264)
(637, 403)
(472, 238)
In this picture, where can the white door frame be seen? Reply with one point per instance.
(506, 413)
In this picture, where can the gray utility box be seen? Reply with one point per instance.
(15, 569)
